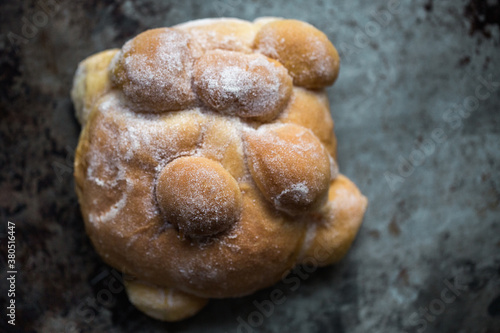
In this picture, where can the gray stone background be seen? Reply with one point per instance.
(416, 110)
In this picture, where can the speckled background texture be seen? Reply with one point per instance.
(417, 114)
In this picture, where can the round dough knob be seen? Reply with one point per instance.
(244, 85)
(198, 196)
(151, 300)
(306, 52)
(154, 70)
(290, 166)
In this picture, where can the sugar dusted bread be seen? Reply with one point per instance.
(206, 166)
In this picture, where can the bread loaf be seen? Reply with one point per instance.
(206, 166)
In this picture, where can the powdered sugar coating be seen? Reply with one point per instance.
(198, 196)
(129, 142)
(224, 34)
(290, 166)
(124, 160)
(154, 70)
(242, 85)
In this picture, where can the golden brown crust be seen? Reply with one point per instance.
(126, 226)
(154, 70)
(311, 109)
(334, 230)
(248, 86)
(161, 148)
(290, 166)
(166, 304)
(221, 34)
(222, 142)
(306, 52)
(198, 196)
(88, 88)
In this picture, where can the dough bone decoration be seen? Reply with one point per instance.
(206, 166)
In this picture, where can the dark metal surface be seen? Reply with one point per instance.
(417, 114)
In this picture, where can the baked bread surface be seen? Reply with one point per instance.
(206, 166)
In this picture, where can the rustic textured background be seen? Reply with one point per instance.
(419, 84)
